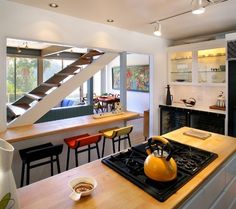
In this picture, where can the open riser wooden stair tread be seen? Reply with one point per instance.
(82, 61)
(23, 100)
(35, 96)
(70, 69)
(56, 79)
(14, 111)
(42, 89)
(92, 53)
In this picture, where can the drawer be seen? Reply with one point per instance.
(231, 170)
(214, 188)
(227, 197)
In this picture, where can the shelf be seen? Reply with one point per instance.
(211, 71)
(212, 56)
(181, 59)
(182, 72)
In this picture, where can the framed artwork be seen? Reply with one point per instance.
(137, 78)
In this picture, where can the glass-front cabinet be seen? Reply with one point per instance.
(181, 66)
(200, 64)
(211, 65)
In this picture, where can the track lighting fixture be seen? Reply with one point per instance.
(197, 7)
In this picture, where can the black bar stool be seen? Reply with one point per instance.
(77, 142)
(36, 153)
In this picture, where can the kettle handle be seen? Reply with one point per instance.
(161, 139)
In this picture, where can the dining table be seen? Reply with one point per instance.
(108, 102)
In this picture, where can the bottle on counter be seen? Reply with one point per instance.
(220, 102)
(169, 97)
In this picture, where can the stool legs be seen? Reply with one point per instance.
(51, 165)
(119, 144)
(97, 150)
(103, 146)
(129, 140)
(88, 153)
(22, 174)
(27, 173)
(68, 158)
(58, 164)
(76, 159)
(113, 145)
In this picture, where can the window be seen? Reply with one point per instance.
(50, 67)
(21, 76)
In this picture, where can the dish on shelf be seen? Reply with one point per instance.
(180, 80)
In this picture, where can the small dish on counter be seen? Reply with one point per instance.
(82, 186)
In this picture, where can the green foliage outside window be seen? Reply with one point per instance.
(21, 76)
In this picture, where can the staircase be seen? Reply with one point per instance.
(30, 107)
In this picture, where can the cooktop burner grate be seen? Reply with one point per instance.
(130, 163)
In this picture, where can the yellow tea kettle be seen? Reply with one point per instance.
(159, 164)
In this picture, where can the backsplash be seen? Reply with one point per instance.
(204, 95)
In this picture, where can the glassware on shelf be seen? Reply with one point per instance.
(211, 65)
(181, 66)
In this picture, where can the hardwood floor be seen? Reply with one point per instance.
(137, 133)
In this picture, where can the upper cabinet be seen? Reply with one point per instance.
(200, 64)
(211, 65)
(181, 66)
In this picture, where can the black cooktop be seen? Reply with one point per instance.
(129, 163)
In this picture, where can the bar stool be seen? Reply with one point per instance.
(36, 153)
(77, 142)
(116, 135)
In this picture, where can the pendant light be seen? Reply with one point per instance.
(197, 7)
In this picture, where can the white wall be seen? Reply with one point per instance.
(136, 101)
(24, 22)
(204, 95)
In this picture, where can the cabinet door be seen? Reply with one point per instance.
(180, 67)
(208, 121)
(172, 118)
(211, 66)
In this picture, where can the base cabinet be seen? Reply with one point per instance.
(218, 192)
(172, 118)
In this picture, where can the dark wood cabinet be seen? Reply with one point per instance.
(172, 118)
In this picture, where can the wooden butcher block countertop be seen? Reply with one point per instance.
(113, 190)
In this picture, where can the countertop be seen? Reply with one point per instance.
(113, 190)
(60, 126)
(196, 107)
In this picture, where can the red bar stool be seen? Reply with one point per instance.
(77, 142)
(116, 135)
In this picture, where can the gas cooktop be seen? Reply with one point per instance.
(130, 163)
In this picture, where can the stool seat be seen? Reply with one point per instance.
(79, 141)
(116, 135)
(36, 153)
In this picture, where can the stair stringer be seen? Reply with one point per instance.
(52, 99)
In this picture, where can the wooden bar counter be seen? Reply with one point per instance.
(60, 126)
(114, 191)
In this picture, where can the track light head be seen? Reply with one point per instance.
(197, 7)
(157, 29)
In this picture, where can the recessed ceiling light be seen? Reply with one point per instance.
(110, 20)
(53, 5)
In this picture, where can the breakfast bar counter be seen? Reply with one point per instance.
(60, 126)
(115, 192)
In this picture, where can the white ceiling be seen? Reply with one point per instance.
(136, 15)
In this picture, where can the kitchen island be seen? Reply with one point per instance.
(114, 191)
